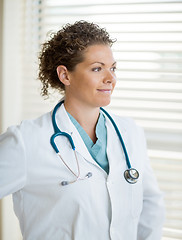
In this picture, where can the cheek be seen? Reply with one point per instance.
(91, 82)
(114, 84)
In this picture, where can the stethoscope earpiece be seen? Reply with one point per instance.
(131, 175)
(89, 174)
(65, 183)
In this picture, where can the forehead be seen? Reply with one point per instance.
(98, 53)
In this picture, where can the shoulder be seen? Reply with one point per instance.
(129, 125)
(36, 124)
(29, 129)
(125, 122)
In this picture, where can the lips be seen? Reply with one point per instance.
(104, 90)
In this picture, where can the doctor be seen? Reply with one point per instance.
(67, 169)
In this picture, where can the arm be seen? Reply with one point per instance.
(12, 162)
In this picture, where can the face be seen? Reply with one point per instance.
(93, 80)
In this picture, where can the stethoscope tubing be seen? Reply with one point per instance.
(119, 136)
(131, 174)
(57, 131)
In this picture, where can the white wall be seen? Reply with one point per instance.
(1, 25)
(10, 57)
(9, 98)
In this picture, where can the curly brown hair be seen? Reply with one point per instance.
(66, 47)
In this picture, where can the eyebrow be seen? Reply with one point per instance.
(103, 63)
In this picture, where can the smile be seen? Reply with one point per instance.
(104, 90)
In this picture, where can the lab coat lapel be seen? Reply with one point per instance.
(64, 123)
(115, 152)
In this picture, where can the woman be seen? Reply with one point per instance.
(83, 191)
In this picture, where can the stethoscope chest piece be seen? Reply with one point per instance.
(131, 175)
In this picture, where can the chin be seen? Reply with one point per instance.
(104, 103)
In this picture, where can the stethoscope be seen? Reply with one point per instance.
(131, 174)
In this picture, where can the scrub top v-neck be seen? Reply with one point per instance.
(97, 150)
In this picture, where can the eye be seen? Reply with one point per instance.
(113, 69)
(96, 69)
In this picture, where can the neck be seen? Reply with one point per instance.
(86, 116)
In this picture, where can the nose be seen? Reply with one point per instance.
(109, 77)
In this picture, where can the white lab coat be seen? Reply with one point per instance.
(103, 207)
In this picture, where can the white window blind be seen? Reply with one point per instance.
(149, 88)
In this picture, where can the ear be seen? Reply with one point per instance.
(63, 76)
